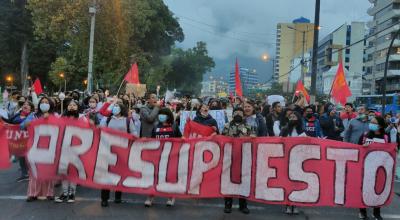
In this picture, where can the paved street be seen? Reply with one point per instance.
(87, 206)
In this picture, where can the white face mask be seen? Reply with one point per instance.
(44, 107)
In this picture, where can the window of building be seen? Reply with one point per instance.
(347, 60)
(347, 51)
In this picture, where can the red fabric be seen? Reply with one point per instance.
(37, 87)
(345, 115)
(104, 110)
(298, 171)
(340, 90)
(4, 153)
(17, 140)
(132, 76)
(194, 129)
(300, 88)
(238, 83)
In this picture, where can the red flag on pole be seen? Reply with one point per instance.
(37, 87)
(300, 88)
(238, 84)
(132, 76)
(340, 91)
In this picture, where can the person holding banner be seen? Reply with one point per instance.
(37, 187)
(294, 128)
(68, 188)
(121, 122)
(237, 128)
(204, 118)
(254, 120)
(26, 110)
(165, 129)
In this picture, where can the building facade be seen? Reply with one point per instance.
(292, 40)
(248, 78)
(214, 87)
(333, 48)
(383, 26)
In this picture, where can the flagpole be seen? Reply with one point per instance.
(120, 86)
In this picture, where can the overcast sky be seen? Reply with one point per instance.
(247, 29)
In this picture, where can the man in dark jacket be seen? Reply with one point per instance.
(204, 118)
(272, 117)
(331, 124)
(148, 115)
(312, 126)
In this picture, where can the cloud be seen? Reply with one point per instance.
(248, 28)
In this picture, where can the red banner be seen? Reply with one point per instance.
(4, 153)
(196, 130)
(17, 140)
(296, 171)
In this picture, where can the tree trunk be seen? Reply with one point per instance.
(24, 68)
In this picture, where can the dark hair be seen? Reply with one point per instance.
(238, 109)
(299, 128)
(382, 125)
(168, 113)
(179, 107)
(148, 94)
(266, 110)
(283, 121)
(31, 105)
(51, 103)
(275, 104)
(309, 107)
(252, 103)
(349, 104)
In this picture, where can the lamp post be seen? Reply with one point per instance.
(92, 12)
(62, 76)
(10, 80)
(61, 96)
(313, 93)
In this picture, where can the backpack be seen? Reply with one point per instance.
(128, 120)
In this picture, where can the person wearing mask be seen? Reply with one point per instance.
(254, 120)
(312, 127)
(237, 128)
(121, 122)
(273, 117)
(376, 134)
(37, 187)
(166, 128)
(149, 114)
(283, 120)
(92, 113)
(294, 128)
(331, 124)
(203, 117)
(371, 114)
(68, 188)
(357, 127)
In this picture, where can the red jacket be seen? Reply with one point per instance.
(345, 115)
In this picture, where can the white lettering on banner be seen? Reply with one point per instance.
(106, 158)
(341, 156)
(199, 166)
(137, 164)
(374, 161)
(43, 155)
(229, 188)
(183, 167)
(264, 172)
(70, 153)
(298, 155)
(16, 134)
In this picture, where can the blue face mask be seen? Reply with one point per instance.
(162, 118)
(116, 110)
(373, 127)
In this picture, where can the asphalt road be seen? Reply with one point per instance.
(87, 206)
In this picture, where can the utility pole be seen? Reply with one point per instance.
(315, 53)
(302, 57)
(92, 12)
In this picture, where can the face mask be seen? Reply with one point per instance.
(72, 113)
(237, 118)
(75, 98)
(373, 127)
(44, 107)
(92, 105)
(162, 118)
(293, 122)
(116, 110)
(361, 116)
(309, 115)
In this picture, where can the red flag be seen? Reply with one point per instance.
(194, 130)
(37, 87)
(132, 76)
(340, 91)
(300, 88)
(4, 153)
(238, 84)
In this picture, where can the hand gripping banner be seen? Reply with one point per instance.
(287, 171)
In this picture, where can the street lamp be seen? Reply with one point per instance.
(265, 57)
(62, 76)
(92, 12)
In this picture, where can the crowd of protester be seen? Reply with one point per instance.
(156, 118)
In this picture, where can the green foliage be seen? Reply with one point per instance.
(60, 66)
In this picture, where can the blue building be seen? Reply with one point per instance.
(248, 78)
